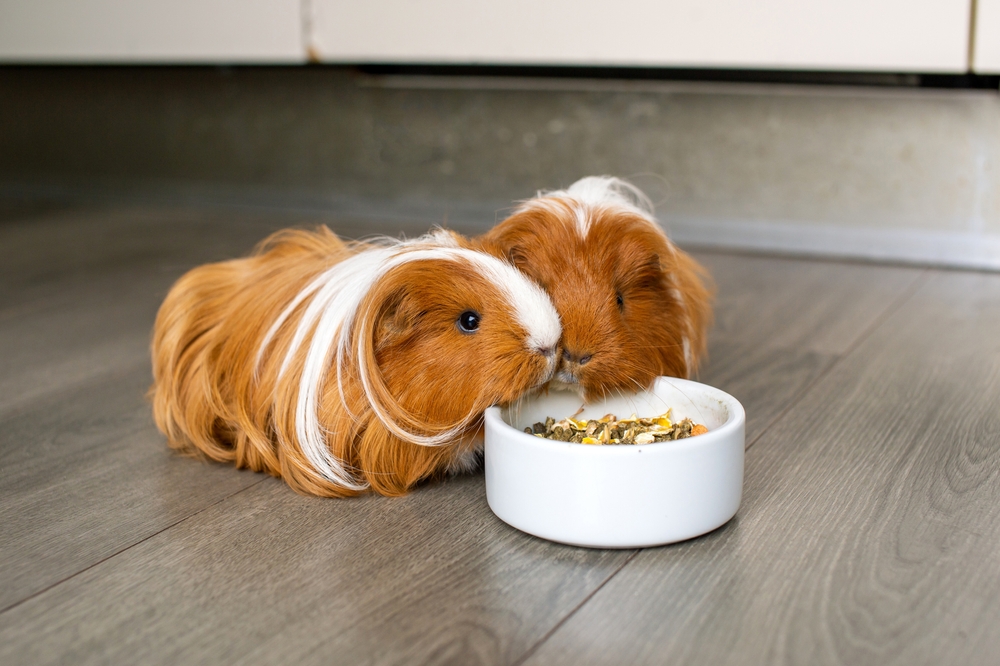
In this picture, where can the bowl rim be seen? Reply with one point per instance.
(737, 417)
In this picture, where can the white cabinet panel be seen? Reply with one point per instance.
(150, 31)
(986, 58)
(891, 35)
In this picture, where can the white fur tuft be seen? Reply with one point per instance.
(604, 190)
(595, 192)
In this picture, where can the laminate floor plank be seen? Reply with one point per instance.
(870, 524)
(79, 290)
(811, 304)
(85, 474)
(780, 323)
(270, 577)
(18, 209)
(43, 255)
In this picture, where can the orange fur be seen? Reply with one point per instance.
(211, 399)
(666, 295)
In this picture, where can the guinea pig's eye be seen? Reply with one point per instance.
(620, 301)
(468, 321)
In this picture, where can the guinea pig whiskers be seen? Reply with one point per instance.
(515, 408)
(701, 417)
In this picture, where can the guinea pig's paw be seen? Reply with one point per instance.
(465, 462)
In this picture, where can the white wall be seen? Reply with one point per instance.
(893, 35)
(987, 45)
(151, 31)
(888, 35)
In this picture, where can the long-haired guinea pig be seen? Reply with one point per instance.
(632, 305)
(347, 367)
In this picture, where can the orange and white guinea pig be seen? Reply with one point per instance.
(632, 305)
(347, 367)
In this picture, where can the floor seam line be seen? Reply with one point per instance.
(534, 648)
(10, 412)
(128, 547)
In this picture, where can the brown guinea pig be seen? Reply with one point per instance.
(632, 305)
(347, 367)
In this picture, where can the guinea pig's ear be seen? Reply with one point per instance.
(516, 255)
(395, 319)
(503, 241)
(648, 265)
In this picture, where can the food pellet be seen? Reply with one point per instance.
(610, 430)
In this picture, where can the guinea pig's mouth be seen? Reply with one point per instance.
(565, 381)
(566, 377)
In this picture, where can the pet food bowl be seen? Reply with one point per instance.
(624, 496)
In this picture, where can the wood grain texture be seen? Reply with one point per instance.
(85, 474)
(870, 525)
(780, 323)
(20, 208)
(44, 254)
(819, 306)
(271, 577)
(79, 290)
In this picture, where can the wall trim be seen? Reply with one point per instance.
(978, 251)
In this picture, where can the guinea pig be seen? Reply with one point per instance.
(632, 305)
(343, 367)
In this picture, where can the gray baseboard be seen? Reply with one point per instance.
(951, 249)
(887, 174)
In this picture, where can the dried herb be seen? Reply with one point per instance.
(610, 430)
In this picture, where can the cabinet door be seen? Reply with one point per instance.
(889, 35)
(151, 31)
(986, 54)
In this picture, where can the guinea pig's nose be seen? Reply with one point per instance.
(577, 357)
(546, 351)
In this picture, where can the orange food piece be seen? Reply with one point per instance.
(698, 430)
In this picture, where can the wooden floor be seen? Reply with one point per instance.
(869, 531)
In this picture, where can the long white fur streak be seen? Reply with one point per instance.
(337, 294)
(335, 306)
(286, 313)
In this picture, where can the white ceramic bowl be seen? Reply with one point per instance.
(618, 496)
